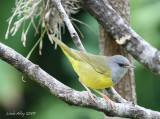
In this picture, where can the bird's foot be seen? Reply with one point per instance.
(110, 101)
(89, 92)
(105, 97)
(91, 95)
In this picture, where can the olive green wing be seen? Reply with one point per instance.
(97, 62)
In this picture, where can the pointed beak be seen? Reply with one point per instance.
(130, 66)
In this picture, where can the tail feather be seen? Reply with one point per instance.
(67, 51)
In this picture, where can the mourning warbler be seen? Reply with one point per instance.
(95, 71)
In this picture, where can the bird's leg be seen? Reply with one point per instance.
(89, 92)
(104, 96)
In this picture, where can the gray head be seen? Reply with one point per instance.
(119, 66)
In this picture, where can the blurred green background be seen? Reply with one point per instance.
(18, 96)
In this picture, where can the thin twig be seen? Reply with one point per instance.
(112, 93)
(84, 24)
(78, 29)
(69, 25)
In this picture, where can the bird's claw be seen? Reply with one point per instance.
(110, 101)
(92, 96)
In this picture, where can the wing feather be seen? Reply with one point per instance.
(97, 62)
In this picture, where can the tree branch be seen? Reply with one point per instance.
(70, 95)
(112, 93)
(69, 25)
(118, 28)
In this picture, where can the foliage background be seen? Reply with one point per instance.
(18, 96)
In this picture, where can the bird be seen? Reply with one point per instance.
(96, 71)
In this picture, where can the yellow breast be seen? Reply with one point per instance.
(90, 77)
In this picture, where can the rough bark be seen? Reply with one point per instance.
(118, 28)
(70, 95)
(108, 46)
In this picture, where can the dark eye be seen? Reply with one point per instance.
(121, 65)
